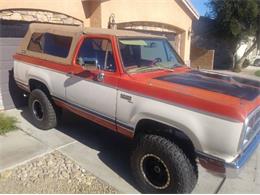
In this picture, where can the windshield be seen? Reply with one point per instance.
(143, 55)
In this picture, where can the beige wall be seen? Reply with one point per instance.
(72, 8)
(163, 11)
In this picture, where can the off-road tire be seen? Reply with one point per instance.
(49, 119)
(182, 174)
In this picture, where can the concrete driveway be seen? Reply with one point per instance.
(106, 154)
(248, 72)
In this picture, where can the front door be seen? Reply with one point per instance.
(92, 89)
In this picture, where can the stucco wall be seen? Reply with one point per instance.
(72, 8)
(163, 11)
(39, 16)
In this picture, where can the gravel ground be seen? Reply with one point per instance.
(52, 173)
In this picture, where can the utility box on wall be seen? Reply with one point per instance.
(202, 58)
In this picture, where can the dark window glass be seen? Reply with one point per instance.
(50, 44)
(57, 45)
(99, 50)
(35, 43)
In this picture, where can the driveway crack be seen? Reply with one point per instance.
(220, 185)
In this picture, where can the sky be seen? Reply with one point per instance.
(200, 6)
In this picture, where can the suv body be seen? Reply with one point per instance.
(109, 77)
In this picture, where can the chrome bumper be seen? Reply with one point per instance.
(220, 167)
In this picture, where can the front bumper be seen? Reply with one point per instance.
(232, 169)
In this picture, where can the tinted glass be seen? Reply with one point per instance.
(50, 44)
(99, 50)
(140, 55)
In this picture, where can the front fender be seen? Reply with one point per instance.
(208, 133)
(172, 123)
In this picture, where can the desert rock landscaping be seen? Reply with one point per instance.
(52, 173)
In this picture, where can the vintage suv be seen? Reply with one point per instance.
(136, 84)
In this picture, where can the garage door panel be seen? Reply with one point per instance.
(4, 77)
(7, 53)
(6, 64)
(10, 41)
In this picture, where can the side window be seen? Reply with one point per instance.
(98, 50)
(36, 43)
(51, 44)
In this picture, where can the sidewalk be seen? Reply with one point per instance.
(104, 154)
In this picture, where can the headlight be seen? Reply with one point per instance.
(251, 127)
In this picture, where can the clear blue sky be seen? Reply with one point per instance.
(200, 6)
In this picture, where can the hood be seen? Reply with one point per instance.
(224, 84)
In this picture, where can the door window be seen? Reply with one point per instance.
(98, 50)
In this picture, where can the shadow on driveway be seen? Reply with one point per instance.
(114, 149)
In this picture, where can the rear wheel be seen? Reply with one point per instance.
(160, 166)
(43, 111)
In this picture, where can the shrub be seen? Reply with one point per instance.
(7, 123)
(257, 73)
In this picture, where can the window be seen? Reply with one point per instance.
(153, 48)
(98, 50)
(35, 43)
(51, 44)
(148, 54)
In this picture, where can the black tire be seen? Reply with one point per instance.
(43, 111)
(175, 174)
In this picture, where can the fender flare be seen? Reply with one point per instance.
(183, 128)
(42, 77)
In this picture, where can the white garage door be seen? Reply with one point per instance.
(10, 37)
(7, 48)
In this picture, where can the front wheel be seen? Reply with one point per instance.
(160, 166)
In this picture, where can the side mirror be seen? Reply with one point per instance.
(85, 63)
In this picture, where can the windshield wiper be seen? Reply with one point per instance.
(149, 68)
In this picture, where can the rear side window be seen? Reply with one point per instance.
(51, 44)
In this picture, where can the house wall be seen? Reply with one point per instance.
(162, 11)
(70, 7)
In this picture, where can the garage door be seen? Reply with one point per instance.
(11, 33)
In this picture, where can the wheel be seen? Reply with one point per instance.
(160, 166)
(43, 111)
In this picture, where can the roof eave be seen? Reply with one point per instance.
(191, 8)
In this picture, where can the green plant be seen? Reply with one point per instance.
(257, 73)
(236, 21)
(7, 123)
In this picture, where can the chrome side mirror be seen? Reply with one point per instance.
(100, 76)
